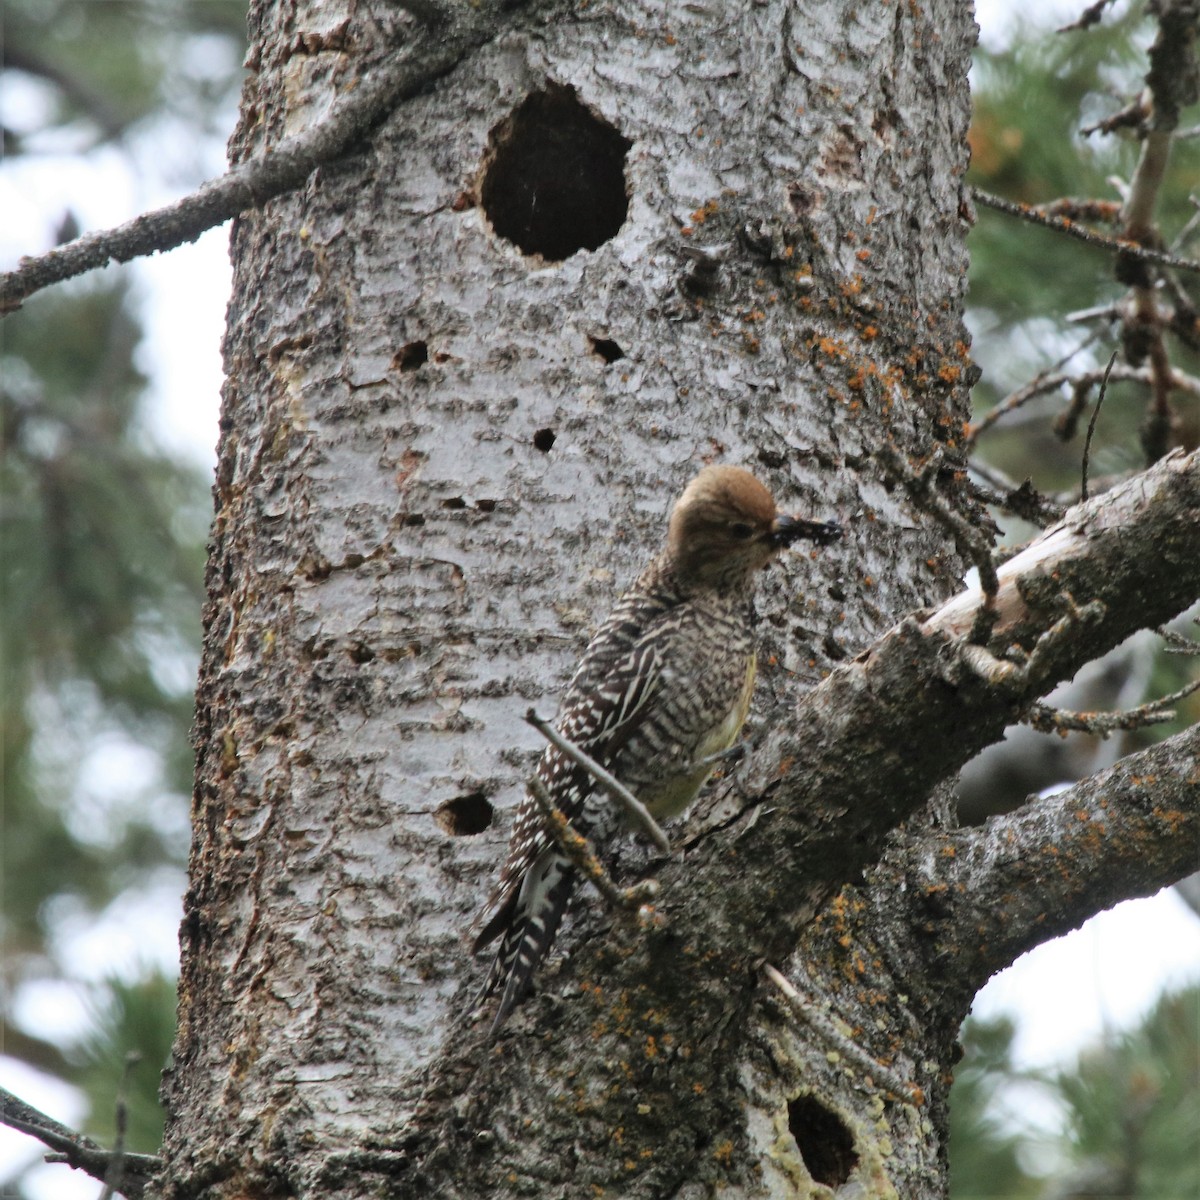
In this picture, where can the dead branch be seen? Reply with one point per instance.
(77, 1150)
(280, 169)
(583, 856)
(1047, 719)
(1091, 429)
(635, 810)
(1116, 245)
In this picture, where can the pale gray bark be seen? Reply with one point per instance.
(440, 460)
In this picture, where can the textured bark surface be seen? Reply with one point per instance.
(441, 458)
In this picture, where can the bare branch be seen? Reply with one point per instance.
(75, 1149)
(1177, 643)
(1046, 719)
(1090, 16)
(1091, 429)
(634, 808)
(1117, 515)
(280, 169)
(1042, 385)
(1118, 245)
(583, 856)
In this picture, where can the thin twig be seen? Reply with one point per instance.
(1091, 429)
(968, 539)
(1189, 228)
(1100, 312)
(844, 1043)
(634, 808)
(1089, 17)
(280, 169)
(1117, 245)
(1047, 719)
(114, 1177)
(73, 1148)
(583, 857)
(1176, 642)
(1048, 380)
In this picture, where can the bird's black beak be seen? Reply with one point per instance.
(788, 529)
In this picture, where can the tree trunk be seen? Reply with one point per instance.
(468, 370)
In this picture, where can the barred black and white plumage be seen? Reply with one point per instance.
(664, 685)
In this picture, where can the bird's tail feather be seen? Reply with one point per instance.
(535, 921)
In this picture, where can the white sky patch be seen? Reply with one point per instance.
(138, 930)
(186, 293)
(1099, 979)
(1001, 20)
(55, 1099)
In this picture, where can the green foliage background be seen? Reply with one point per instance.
(102, 548)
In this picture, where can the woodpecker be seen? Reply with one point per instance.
(662, 688)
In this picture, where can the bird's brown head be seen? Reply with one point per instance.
(725, 527)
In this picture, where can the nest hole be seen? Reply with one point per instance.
(553, 179)
(825, 1144)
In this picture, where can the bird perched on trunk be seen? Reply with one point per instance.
(662, 688)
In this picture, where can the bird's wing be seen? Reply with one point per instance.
(604, 708)
(601, 712)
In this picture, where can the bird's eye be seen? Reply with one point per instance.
(741, 531)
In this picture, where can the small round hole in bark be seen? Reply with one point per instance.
(414, 519)
(411, 356)
(606, 349)
(544, 440)
(800, 199)
(454, 502)
(360, 652)
(464, 816)
(825, 1143)
(553, 179)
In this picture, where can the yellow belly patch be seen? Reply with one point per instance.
(675, 794)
